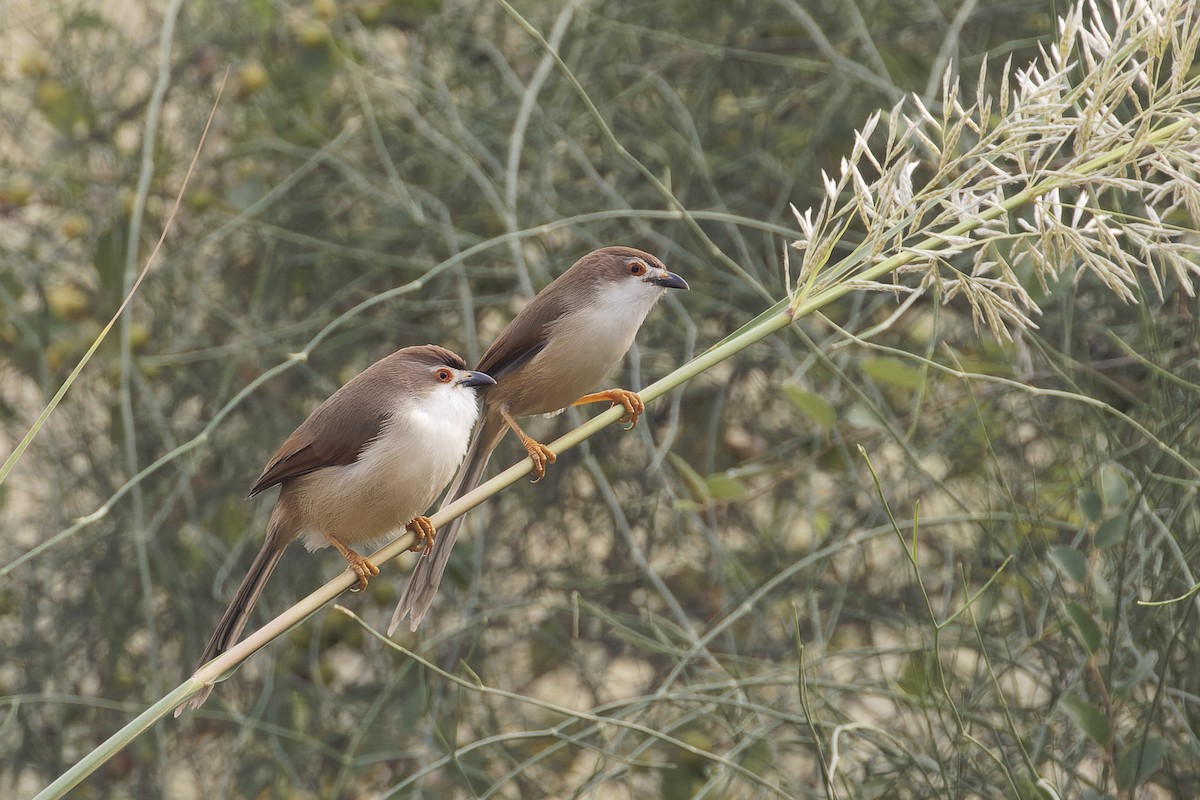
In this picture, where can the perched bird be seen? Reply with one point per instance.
(364, 465)
(557, 348)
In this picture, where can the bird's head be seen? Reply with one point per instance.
(441, 373)
(632, 275)
(630, 266)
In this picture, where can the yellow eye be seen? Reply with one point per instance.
(445, 375)
(637, 268)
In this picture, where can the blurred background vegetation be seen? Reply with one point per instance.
(723, 580)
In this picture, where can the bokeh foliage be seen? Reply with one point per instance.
(725, 576)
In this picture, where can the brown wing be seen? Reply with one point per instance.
(336, 432)
(313, 446)
(525, 336)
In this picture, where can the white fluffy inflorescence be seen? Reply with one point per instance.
(1084, 160)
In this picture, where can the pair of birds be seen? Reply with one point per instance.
(378, 452)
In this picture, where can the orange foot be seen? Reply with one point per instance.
(540, 455)
(424, 532)
(362, 567)
(618, 397)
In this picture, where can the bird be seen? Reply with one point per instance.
(365, 464)
(550, 356)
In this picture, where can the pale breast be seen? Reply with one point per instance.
(397, 477)
(584, 347)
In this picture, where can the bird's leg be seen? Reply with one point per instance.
(361, 565)
(424, 532)
(618, 397)
(539, 454)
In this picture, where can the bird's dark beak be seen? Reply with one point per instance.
(477, 379)
(669, 280)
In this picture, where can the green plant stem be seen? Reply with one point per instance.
(115, 744)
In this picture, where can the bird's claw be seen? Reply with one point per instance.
(632, 404)
(540, 455)
(628, 400)
(363, 568)
(423, 533)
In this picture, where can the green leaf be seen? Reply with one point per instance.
(1089, 504)
(109, 259)
(1112, 485)
(1088, 630)
(245, 194)
(86, 21)
(859, 416)
(1070, 561)
(892, 371)
(61, 102)
(723, 487)
(916, 677)
(815, 407)
(692, 480)
(1140, 762)
(1111, 531)
(1088, 717)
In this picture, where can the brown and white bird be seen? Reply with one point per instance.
(364, 466)
(553, 352)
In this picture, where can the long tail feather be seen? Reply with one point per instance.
(234, 620)
(427, 574)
